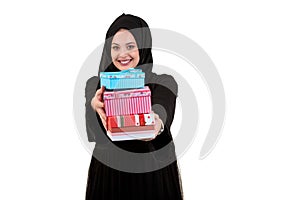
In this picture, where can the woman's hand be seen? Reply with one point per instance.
(158, 126)
(98, 105)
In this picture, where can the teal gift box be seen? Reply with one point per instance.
(126, 79)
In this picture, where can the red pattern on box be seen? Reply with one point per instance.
(130, 120)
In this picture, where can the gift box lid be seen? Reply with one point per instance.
(143, 92)
(129, 73)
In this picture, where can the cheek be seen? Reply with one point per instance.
(113, 55)
(136, 55)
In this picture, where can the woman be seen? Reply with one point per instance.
(128, 45)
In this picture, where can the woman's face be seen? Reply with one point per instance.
(124, 50)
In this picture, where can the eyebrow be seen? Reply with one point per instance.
(126, 43)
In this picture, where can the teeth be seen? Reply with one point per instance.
(124, 62)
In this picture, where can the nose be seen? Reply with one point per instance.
(123, 52)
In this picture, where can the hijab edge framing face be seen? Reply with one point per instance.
(142, 35)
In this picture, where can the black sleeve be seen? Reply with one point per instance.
(94, 126)
(163, 99)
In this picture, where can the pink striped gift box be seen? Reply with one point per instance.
(127, 102)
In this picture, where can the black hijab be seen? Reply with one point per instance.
(141, 32)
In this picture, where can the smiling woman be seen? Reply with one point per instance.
(151, 176)
(124, 50)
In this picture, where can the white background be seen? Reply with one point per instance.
(255, 46)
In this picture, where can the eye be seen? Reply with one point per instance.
(116, 48)
(129, 47)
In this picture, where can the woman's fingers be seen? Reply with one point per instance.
(100, 104)
(99, 93)
(97, 101)
(101, 113)
(104, 124)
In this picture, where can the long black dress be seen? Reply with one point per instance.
(108, 183)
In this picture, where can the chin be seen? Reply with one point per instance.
(124, 68)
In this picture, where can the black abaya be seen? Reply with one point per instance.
(107, 183)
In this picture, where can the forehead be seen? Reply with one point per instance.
(123, 36)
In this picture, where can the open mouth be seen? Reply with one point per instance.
(125, 62)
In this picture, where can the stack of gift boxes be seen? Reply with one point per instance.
(127, 104)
